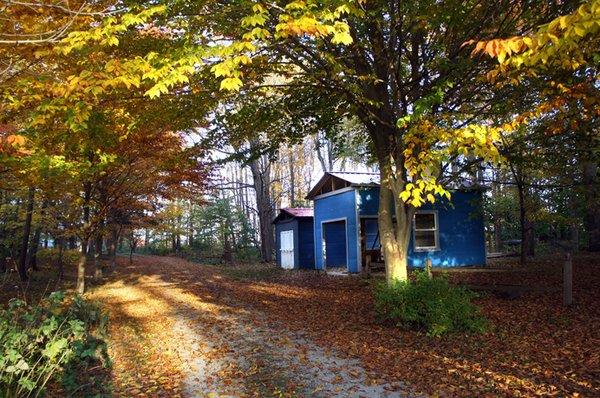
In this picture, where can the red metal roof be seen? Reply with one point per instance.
(299, 211)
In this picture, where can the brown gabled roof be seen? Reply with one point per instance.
(351, 178)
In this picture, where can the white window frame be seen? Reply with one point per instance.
(436, 232)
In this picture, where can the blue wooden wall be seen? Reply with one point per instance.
(340, 205)
(368, 201)
(304, 253)
(306, 245)
(462, 237)
(461, 227)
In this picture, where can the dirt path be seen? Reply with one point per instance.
(176, 332)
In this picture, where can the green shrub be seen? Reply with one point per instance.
(48, 343)
(49, 257)
(432, 305)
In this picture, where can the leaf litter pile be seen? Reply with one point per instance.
(183, 329)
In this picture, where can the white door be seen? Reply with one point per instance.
(287, 249)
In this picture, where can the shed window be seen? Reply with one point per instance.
(426, 231)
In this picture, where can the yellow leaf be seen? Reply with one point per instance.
(231, 84)
(342, 38)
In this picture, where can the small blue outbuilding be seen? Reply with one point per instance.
(294, 238)
(345, 227)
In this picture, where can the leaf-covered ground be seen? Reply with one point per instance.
(186, 329)
(176, 331)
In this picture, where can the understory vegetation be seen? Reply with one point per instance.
(54, 342)
(429, 304)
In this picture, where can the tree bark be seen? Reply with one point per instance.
(592, 205)
(292, 178)
(32, 258)
(97, 256)
(496, 190)
(261, 174)
(81, 266)
(112, 247)
(61, 269)
(22, 267)
(394, 238)
(227, 252)
(85, 238)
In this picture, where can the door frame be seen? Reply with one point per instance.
(293, 248)
(323, 245)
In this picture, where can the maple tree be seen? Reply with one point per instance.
(115, 155)
(402, 70)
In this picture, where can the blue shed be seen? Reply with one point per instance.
(450, 233)
(294, 238)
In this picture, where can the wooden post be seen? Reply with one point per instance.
(428, 268)
(568, 281)
(367, 265)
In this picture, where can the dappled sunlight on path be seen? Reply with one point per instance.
(175, 331)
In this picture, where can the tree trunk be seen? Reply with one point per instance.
(394, 238)
(22, 268)
(574, 235)
(292, 178)
(527, 226)
(191, 222)
(592, 205)
(85, 238)
(261, 175)
(530, 231)
(61, 269)
(32, 261)
(227, 255)
(114, 237)
(496, 190)
(35, 243)
(97, 256)
(81, 266)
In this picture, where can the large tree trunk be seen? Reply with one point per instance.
(395, 237)
(22, 267)
(592, 205)
(261, 175)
